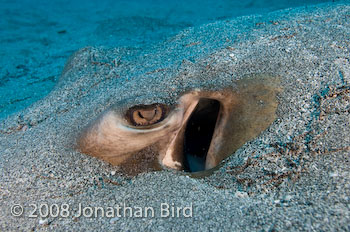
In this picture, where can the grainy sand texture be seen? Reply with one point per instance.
(293, 177)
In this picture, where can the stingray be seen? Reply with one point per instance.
(194, 135)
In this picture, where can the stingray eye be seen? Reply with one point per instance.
(146, 115)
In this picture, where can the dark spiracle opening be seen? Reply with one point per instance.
(198, 134)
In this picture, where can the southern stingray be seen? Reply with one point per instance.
(283, 79)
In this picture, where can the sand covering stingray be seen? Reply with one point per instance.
(293, 176)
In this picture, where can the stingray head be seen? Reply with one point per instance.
(194, 135)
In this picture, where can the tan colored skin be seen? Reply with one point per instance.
(243, 114)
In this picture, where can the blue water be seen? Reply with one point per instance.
(38, 36)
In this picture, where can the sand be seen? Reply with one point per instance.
(38, 36)
(293, 176)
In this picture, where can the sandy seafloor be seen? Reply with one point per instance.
(294, 176)
(38, 36)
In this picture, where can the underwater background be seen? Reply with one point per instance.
(293, 176)
(37, 36)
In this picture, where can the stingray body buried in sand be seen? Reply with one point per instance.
(195, 134)
(257, 105)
